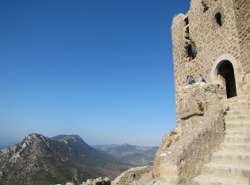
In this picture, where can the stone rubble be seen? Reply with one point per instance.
(98, 181)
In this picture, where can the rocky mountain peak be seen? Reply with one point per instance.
(34, 141)
(34, 138)
(69, 139)
(40, 160)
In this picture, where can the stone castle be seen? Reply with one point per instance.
(213, 39)
(211, 142)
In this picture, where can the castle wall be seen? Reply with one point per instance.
(210, 40)
(242, 13)
(211, 32)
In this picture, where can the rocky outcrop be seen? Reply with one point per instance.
(199, 132)
(98, 181)
(133, 175)
(68, 183)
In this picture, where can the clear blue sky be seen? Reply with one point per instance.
(100, 69)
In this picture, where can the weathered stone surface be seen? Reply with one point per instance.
(132, 175)
(194, 99)
(184, 151)
(69, 183)
(98, 181)
(191, 103)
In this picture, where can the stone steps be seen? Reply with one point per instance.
(231, 164)
(237, 120)
(239, 106)
(225, 169)
(232, 147)
(237, 112)
(237, 139)
(218, 180)
(238, 117)
(233, 128)
(225, 157)
(237, 101)
(235, 108)
(240, 126)
(237, 123)
(237, 131)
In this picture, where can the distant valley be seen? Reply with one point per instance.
(130, 154)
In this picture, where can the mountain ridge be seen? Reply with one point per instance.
(41, 160)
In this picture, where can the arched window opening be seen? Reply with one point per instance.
(225, 72)
(218, 18)
(191, 50)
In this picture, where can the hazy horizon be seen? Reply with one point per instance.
(6, 145)
(99, 69)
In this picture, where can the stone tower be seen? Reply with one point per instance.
(211, 142)
(213, 39)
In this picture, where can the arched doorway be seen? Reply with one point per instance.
(225, 72)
